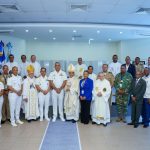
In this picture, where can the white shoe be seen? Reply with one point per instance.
(41, 119)
(62, 119)
(14, 125)
(19, 122)
(47, 119)
(54, 119)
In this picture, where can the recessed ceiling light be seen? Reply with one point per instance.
(74, 31)
(109, 39)
(54, 38)
(50, 31)
(98, 31)
(121, 32)
(26, 30)
(35, 38)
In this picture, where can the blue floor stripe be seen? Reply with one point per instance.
(61, 136)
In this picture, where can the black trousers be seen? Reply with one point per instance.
(85, 111)
(136, 112)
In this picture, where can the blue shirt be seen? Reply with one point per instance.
(86, 88)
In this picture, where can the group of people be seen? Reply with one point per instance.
(82, 92)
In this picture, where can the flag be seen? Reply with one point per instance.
(2, 53)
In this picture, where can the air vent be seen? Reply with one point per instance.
(8, 8)
(6, 31)
(79, 7)
(143, 11)
(77, 36)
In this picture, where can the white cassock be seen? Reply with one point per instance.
(11, 65)
(101, 111)
(79, 69)
(1, 101)
(14, 100)
(93, 77)
(71, 100)
(23, 68)
(30, 93)
(43, 83)
(114, 68)
(58, 99)
(37, 68)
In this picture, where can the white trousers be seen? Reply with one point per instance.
(44, 104)
(58, 101)
(15, 105)
(1, 104)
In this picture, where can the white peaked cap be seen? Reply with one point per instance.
(71, 68)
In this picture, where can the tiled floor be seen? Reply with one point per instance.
(116, 136)
(23, 137)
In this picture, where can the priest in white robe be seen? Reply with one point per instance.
(71, 101)
(30, 96)
(101, 91)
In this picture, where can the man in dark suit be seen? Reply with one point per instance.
(130, 67)
(138, 88)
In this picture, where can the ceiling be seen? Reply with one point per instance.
(100, 20)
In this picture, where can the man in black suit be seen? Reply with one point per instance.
(138, 88)
(130, 67)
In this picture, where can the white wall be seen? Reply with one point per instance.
(72, 50)
(133, 48)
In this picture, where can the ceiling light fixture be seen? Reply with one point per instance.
(98, 31)
(74, 31)
(26, 30)
(54, 38)
(35, 38)
(50, 31)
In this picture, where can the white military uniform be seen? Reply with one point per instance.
(101, 112)
(43, 83)
(147, 92)
(57, 78)
(1, 101)
(14, 100)
(23, 68)
(11, 65)
(114, 68)
(37, 68)
(79, 69)
(93, 77)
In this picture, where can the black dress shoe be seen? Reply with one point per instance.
(93, 122)
(29, 121)
(73, 121)
(8, 120)
(3, 121)
(145, 126)
(130, 123)
(105, 125)
(136, 126)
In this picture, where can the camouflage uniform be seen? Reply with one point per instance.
(139, 67)
(110, 77)
(5, 107)
(122, 82)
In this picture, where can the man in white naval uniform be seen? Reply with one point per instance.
(58, 80)
(11, 63)
(43, 87)
(93, 77)
(36, 66)
(23, 66)
(15, 96)
(80, 68)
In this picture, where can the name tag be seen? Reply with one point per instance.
(82, 92)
